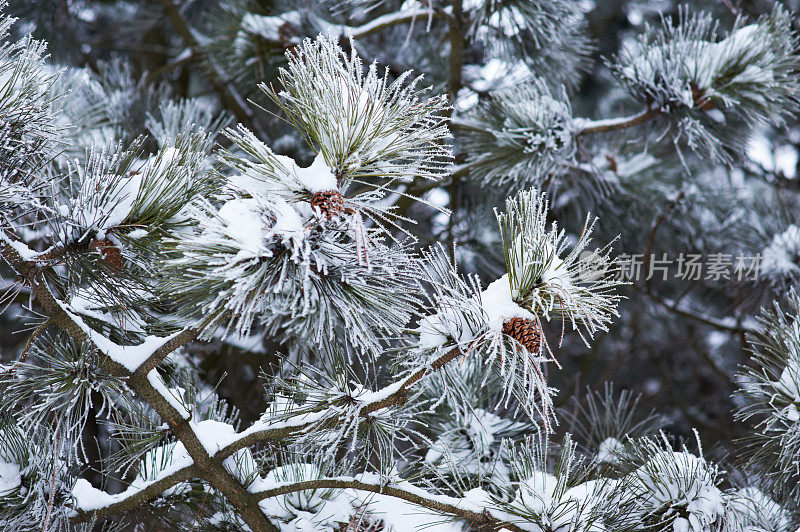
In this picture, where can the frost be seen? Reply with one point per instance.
(753, 508)
(704, 61)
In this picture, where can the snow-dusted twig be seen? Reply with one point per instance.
(588, 127)
(133, 498)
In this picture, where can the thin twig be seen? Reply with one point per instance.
(32, 338)
(589, 127)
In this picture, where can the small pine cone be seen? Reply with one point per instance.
(701, 100)
(524, 331)
(109, 253)
(330, 203)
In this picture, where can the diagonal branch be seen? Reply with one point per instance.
(209, 468)
(391, 19)
(587, 127)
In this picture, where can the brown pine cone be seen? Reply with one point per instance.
(701, 100)
(524, 331)
(109, 253)
(330, 203)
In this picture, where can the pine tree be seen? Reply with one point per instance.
(332, 266)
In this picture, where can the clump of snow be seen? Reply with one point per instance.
(156, 464)
(498, 302)
(244, 225)
(563, 510)
(782, 256)
(610, 450)
(288, 225)
(214, 435)
(270, 28)
(321, 510)
(10, 477)
(673, 480)
(251, 222)
(88, 498)
(497, 306)
(137, 233)
(317, 177)
(402, 516)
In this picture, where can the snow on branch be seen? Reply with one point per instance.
(702, 82)
(516, 137)
(363, 125)
(131, 357)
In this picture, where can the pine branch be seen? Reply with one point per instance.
(211, 469)
(439, 503)
(390, 20)
(717, 323)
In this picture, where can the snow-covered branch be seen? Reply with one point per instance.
(92, 503)
(173, 415)
(463, 508)
(391, 19)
